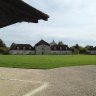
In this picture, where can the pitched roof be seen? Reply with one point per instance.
(59, 47)
(42, 42)
(22, 47)
(13, 11)
(92, 48)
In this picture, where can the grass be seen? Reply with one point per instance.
(45, 61)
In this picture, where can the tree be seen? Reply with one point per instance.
(75, 49)
(13, 46)
(3, 48)
(89, 47)
(82, 50)
(53, 43)
(2, 43)
(77, 46)
(60, 43)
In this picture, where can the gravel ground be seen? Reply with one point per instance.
(67, 81)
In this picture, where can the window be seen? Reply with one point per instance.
(29, 48)
(54, 48)
(17, 48)
(66, 48)
(24, 48)
(60, 48)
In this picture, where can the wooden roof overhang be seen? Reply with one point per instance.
(13, 11)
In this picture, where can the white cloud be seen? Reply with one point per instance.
(69, 19)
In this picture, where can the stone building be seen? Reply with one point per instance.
(91, 50)
(22, 49)
(60, 49)
(42, 47)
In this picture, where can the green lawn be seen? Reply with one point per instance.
(45, 61)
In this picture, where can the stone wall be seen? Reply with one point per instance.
(21, 52)
(42, 49)
(61, 52)
(91, 52)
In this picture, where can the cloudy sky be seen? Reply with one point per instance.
(71, 21)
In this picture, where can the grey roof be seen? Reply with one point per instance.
(59, 47)
(42, 42)
(21, 47)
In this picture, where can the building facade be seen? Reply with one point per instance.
(41, 48)
(21, 49)
(91, 50)
(60, 49)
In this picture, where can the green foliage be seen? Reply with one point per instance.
(3, 48)
(60, 43)
(12, 45)
(46, 61)
(2, 43)
(53, 43)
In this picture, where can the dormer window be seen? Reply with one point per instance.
(24, 48)
(17, 48)
(60, 48)
(29, 48)
(54, 48)
(66, 48)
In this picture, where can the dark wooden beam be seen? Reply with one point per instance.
(13, 11)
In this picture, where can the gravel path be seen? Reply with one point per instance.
(68, 81)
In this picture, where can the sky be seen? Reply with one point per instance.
(71, 21)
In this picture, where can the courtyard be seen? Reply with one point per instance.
(65, 81)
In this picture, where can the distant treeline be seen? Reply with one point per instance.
(76, 49)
